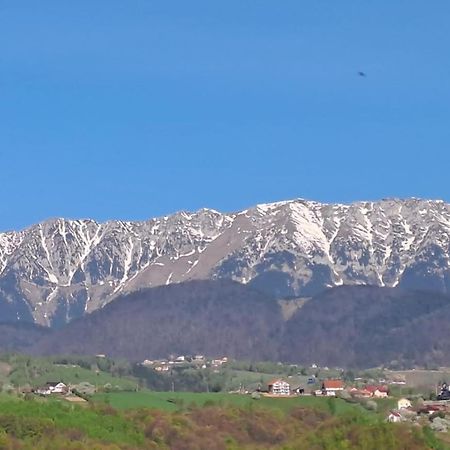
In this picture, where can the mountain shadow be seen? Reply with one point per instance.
(363, 326)
(207, 317)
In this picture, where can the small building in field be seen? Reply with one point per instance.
(403, 403)
(52, 387)
(279, 387)
(331, 387)
(298, 390)
(394, 417)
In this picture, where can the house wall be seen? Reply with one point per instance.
(281, 388)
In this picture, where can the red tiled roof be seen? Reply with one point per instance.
(375, 388)
(333, 384)
(433, 408)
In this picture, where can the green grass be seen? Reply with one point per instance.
(96, 425)
(42, 371)
(385, 405)
(172, 401)
(4, 397)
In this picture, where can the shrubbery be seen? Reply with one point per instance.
(52, 425)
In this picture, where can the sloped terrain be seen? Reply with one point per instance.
(20, 336)
(348, 326)
(61, 269)
(363, 326)
(199, 317)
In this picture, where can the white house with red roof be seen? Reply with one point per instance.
(331, 387)
(378, 391)
(394, 416)
(279, 387)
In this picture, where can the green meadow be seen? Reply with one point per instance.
(175, 401)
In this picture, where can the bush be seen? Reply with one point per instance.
(439, 414)
(345, 395)
(371, 405)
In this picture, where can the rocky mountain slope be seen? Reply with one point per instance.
(60, 269)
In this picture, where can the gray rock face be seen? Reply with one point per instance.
(60, 269)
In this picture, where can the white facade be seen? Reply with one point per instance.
(60, 388)
(403, 403)
(280, 387)
(394, 417)
(380, 394)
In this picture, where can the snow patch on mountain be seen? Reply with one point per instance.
(63, 268)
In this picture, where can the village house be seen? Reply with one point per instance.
(331, 387)
(279, 387)
(378, 391)
(361, 393)
(219, 362)
(52, 388)
(403, 403)
(394, 416)
(430, 408)
(299, 390)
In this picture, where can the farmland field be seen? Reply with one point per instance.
(225, 421)
(172, 401)
(421, 378)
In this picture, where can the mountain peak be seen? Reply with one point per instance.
(60, 269)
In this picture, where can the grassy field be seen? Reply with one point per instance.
(72, 375)
(172, 401)
(251, 380)
(227, 420)
(422, 379)
(31, 417)
(38, 371)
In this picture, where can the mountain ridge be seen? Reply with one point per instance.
(61, 269)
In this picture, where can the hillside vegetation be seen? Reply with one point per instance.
(206, 317)
(348, 326)
(23, 371)
(32, 424)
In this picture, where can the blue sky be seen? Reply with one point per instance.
(113, 109)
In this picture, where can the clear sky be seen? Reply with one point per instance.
(139, 108)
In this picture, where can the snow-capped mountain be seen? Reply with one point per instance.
(60, 269)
